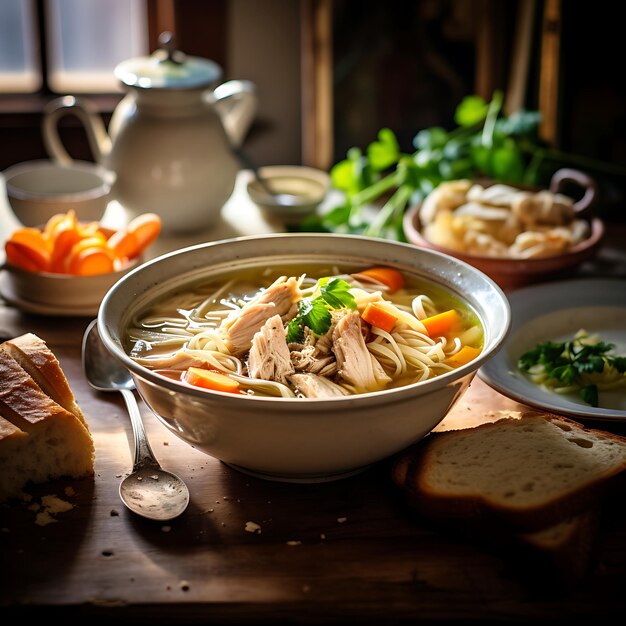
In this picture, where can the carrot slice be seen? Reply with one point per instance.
(63, 243)
(386, 275)
(442, 323)
(124, 244)
(26, 257)
(377, 316)
(91, 261)
(463, 356)
(146, 228)
(28, 249)
(209, 379)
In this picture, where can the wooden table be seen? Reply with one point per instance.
(346, 551)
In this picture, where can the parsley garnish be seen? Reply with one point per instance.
(565, 363)
(314, 313)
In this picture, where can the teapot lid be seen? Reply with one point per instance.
(168, 68)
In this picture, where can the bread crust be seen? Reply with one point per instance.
(31, 422)
(413, 472)
(34, 356)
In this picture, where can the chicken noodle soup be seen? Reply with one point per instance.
(306, 332)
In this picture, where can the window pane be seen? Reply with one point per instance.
(88, 38)
(19, 67)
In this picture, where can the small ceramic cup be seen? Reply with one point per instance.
(39, 189)
(298, 191)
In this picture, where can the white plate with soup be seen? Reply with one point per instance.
(284, 356)
(555, 312)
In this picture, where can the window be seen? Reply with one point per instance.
(19, 63)
(83, 41)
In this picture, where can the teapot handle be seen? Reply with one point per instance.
(97, 136)
(236, 104)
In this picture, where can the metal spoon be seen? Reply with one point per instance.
(149, 490)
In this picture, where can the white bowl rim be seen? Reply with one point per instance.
(106, 177)
(307, 404)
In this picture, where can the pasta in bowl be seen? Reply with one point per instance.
(514, 234)
(303, 357)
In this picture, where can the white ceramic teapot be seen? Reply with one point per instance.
(171, 138)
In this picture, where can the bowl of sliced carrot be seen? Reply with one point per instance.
(70, 265)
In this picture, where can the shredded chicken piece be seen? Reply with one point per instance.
(269, 355)
(355, 363)
(239, 328)
(314, 386)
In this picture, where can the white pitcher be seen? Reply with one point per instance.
(171, 138)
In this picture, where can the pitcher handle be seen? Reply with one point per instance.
(564, 175)
(97, 136)
(236, 103)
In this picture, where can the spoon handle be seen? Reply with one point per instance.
(143, 452)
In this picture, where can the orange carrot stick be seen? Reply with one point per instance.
(442, 323)
(463, 356)
(386, 275)
(124, 244)
(377, 316)
(146, 228)
(208, 379)
(26, 257)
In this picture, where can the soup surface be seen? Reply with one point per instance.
(306, 332)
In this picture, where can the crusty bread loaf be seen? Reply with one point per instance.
(46, 441)
(33, 354)
(527, 473)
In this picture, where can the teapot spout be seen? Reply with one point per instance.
(85, 111)
(236, 104)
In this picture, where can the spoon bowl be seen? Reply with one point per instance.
(148, 490)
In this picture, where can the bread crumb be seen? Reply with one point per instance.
(54, 504)
(211, 510)
(322, 535)
(69, 492)
(252, 527)
(114, 513)
(294, 543)
(184, 585)
(166, 443)
(44, 518)
(341, 520)
(166, 529)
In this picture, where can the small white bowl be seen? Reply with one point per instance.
(66, 295)
(308, 185)
(37, 190)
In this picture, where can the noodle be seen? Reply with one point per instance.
(226, 326)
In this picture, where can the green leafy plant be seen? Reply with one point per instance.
(485, 143)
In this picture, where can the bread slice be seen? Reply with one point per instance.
(13, 446)
(56, 442)
(527, 473)
(33, 354)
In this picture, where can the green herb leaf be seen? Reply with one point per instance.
(589, 393)
(295, 331)
(336, 293)
(315, 315)
(569, 363)
(472, 110)
(383, 153)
